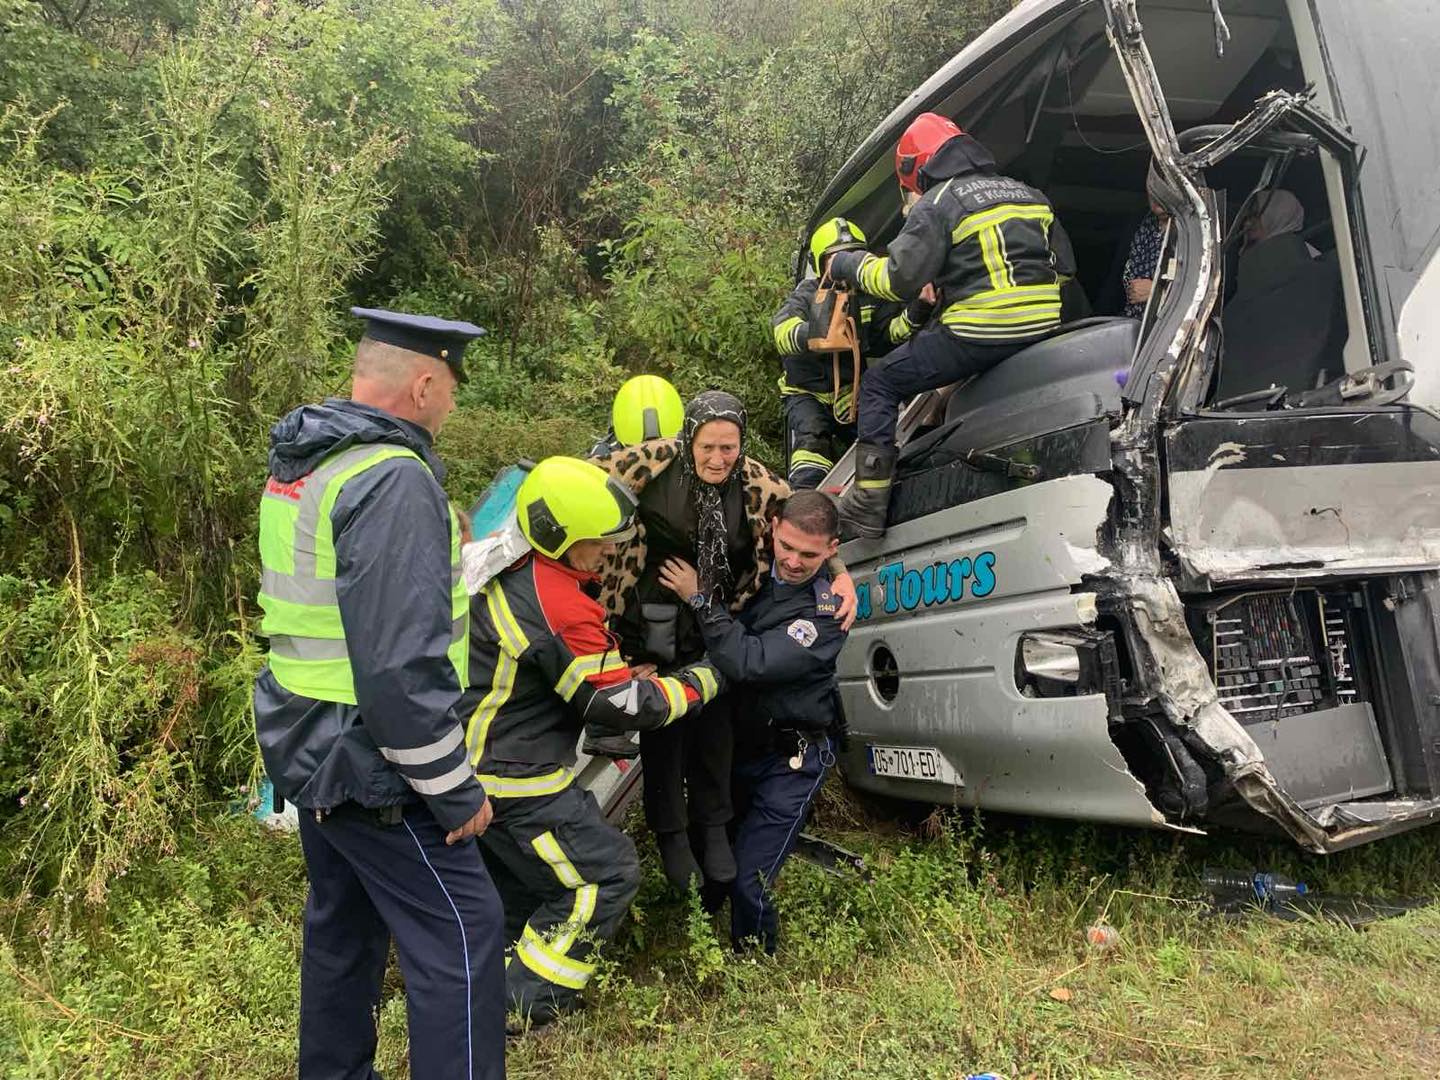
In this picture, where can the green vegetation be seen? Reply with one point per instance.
(191, 192)
(953, 959)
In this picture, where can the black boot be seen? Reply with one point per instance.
(681, 869)
(863, 507)
(719, 860)
(612, 746)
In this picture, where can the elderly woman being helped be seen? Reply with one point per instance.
(702, 500)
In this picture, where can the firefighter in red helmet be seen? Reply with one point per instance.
(989, 245)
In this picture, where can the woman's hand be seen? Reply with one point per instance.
(643, 671)
(1138, 291)
(679, 577)
(844, 587)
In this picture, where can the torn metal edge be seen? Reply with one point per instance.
(1172, 670)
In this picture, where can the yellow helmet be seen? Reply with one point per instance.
(564, 499)
(647, 407)
(837, 234)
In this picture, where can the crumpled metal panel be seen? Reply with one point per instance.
(1231, 524)
(1293, 495)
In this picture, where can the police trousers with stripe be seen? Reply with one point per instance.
(566, 878)
(931, 359)
(817, 439)
(370, 883)
(772, 801)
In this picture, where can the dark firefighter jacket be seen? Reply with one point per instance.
(988, 242)
(391, 527)
(779, 654)
(542, 665)
(882, 326)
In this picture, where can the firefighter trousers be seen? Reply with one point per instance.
(817, 439)
(931, 359)
(566, 877)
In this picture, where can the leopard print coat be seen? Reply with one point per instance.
(635, 466)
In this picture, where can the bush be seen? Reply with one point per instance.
(190, 193)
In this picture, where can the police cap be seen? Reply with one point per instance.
(444, 339)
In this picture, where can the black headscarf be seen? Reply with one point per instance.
(711, 545)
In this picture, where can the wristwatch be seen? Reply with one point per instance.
(699, 601)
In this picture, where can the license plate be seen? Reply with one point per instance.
(913, 763)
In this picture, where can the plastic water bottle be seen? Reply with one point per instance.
(1273, 889)
(286, 820)
(1265, 888)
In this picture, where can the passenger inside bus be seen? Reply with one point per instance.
(1143, 257)
(1285, 322)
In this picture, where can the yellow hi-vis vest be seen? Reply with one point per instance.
(308, 655)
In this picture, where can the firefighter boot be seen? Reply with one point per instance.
(681, 869)
(863, 507)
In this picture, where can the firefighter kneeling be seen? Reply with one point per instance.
(542, 663)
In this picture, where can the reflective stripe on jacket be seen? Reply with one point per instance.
(308, 653)
(388, 527)
(985, 241)
(882, 326)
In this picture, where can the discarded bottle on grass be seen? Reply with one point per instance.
(1263, 888)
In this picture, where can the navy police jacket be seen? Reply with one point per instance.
(780, 653)
(392, 576)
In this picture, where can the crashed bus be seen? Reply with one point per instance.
(1182, 571)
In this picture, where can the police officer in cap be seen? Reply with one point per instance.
(780, 656)
(355, 712)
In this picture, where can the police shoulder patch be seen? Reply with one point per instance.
(803, 631)
(825, 602)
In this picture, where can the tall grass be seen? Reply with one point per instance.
(131, 417)
(191, 193)
(964, 950)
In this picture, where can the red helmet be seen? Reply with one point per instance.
(926, 134)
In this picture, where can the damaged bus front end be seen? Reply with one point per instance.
(1197, 580)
